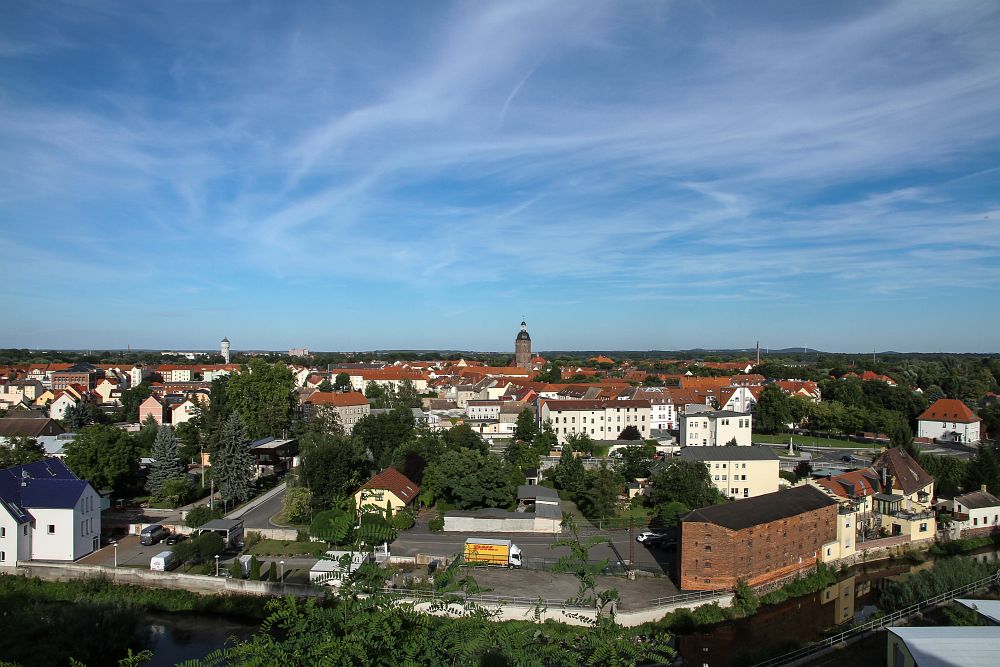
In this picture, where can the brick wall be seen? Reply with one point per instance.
(714, 557)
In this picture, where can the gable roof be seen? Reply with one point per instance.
(949, 410)
(31, 427)
(762, 509)
(47, 484)
(978, 500)
(392, 480)
(906, 472)
(854, 484)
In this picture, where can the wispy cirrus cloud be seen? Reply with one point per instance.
(586, 149)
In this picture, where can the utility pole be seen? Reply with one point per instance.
(631, 547)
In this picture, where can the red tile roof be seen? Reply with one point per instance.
(949, 410)
(337, 399)
(396, 482)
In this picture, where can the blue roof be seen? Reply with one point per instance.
(46, 484)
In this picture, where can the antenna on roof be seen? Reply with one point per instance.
(25, 476)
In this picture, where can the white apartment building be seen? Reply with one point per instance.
(483, 410)
(713, 428)
(601, 420)
(738, 472)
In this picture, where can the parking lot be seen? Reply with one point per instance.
(130, 553)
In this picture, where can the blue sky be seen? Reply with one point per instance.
(624, 175)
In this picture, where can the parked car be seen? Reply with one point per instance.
(648, 536)
(152, 534)
(175, 538)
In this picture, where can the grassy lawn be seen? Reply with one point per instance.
(287, 548)
(809, 441)
(280, 520)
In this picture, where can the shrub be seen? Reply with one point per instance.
(436, 524)
(403, 520)
(254, 569)
(209, 545)
(235, 569)
(252, 538)
(201, 515)
(272, 572)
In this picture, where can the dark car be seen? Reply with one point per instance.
(847, 459)
(175, 538)
(152, 534)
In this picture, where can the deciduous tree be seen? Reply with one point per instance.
(19, 450)
(105, 456)
(686, 482)
(263, 397)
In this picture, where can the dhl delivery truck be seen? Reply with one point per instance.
(485, 551)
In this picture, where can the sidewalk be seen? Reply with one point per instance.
(254, 503)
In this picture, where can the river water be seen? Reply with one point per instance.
(783, 627)
(174, 638)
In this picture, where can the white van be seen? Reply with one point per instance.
(162, 561)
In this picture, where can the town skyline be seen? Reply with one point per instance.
(640, 177)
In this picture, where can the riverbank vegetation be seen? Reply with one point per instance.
(944, 576)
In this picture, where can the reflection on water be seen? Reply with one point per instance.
(174, 638)
(779, 628)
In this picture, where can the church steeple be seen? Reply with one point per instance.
(522, 348)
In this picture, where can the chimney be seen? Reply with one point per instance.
(982, 487)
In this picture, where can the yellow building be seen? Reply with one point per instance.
(389, 489)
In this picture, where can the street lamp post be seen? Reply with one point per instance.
(216, 564)
(282, 564)
(116, 553)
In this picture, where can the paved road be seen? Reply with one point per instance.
(260, 516)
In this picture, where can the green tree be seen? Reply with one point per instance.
(176, 491)
(105, 456)
(669, 514)
(772, 411)
(263, 396)
(189, 440)
(803, 469)
(630, 433)
(686, 482)
(545, 440)
(985, 469)
(383, 434)
(297, 505)
(201, 515)
(325, 385)
(19, 450)
(272, 572)
(333, 525)
(77, 416)
(569, 474)
(146, 436)
(469, 479)
(232, 463)
(521, 456)
(463, 437)
(342, 382)
(254, 569)
(236, 569)
(166, 463)
(131, 400)
(634, 461)
(599, 499)
(332, 467)
(525, 429)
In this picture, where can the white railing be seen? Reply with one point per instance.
(880, 622)
(689, 597)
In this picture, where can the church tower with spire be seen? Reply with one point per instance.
(522, 348)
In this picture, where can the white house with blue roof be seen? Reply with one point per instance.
(47, 513)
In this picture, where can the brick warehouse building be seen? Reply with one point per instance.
(758, 540)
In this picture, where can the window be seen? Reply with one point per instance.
(3, 556)
(3, 532)
(923, 528)
(708, 547)
(52, 529)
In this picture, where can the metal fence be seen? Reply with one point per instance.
(689, 597)
(484, 598)
(879, 623)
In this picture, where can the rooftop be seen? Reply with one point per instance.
(952, 646)
(752, 453)
(763, 509)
